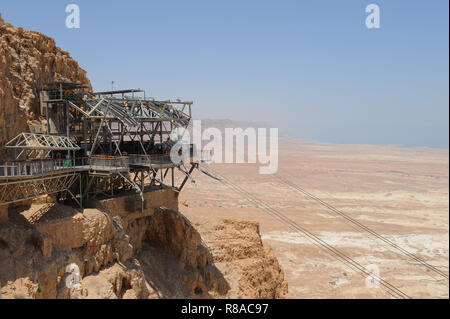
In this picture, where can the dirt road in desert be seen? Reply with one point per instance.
(401, 193)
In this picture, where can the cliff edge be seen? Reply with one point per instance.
(40, 258)
(29, 60)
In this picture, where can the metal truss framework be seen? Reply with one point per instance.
(32, 141)
(158, 176)
(102, 123)
(11, 192)
(88, 125)
(130, 121)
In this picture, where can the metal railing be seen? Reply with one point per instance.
(109, 163)
(29, 168)
(147, 160)
(35, 167)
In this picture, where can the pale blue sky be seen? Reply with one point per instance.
(310, 67)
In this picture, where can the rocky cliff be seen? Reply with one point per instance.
(168, 257)
(246, 262)
(28, 60)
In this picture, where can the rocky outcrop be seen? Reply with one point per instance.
(41, 253)
(244, 259)
(173, 249)
(28, 60)
(169, 258)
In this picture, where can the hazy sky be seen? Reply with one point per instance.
(310, 67)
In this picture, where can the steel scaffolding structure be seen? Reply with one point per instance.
(105, 143)
(20, 190)
(33, 141)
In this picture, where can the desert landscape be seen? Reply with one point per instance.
(401, 193)
(208, 241)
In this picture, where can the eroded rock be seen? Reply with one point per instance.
(28, 60)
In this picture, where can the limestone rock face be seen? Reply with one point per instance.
(28, 60)
(22, 288)
(42, 252)
(169, 258)
(174, 232)
(34, 258)
(244, 259)
(173, 248)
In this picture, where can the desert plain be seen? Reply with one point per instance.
(402, 193)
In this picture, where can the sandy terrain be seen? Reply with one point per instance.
(402, 193)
